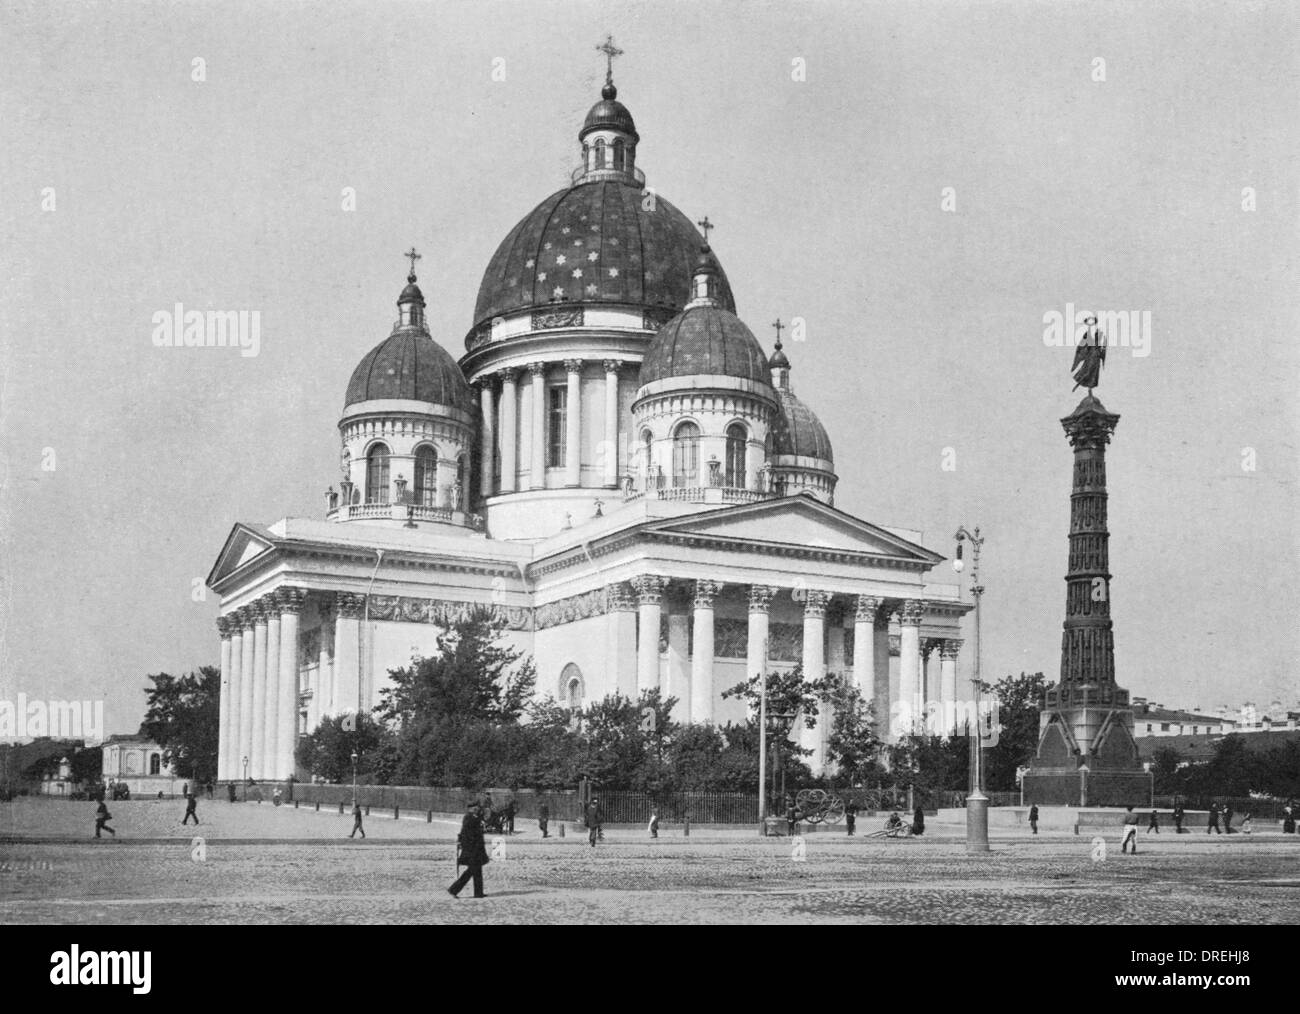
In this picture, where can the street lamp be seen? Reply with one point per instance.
(354, 778)
(246, 779)
(977, 804)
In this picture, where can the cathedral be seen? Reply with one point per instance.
(614, 465)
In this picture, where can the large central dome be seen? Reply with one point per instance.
(593, 243)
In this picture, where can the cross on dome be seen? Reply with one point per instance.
(413, 257)
(779, 328)
(610, 50)
(705, 225)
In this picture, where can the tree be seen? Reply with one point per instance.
(1020, 702)
(623, 743)
(1164, 768)
(182, 717)
(327, 751)
(853, 746)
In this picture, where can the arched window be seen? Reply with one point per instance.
(155, 764)
(736, 439)
(571, 687)
(377, 474)
(618, 154)
(460, 501)
(600, 153)
(686, 455)
(426, 477)
(647, 453)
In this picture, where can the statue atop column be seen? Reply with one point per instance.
(1089, 356)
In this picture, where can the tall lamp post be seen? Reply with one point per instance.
(977, 804)
(354, 778)
(245, 779)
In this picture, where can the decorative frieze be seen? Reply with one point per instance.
(545, 320)
(441, 612)
(571, 609)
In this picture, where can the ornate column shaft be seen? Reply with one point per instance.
(223, 722)
(289, 602)
(760, 605)
(814, 668)
(677, 682)
(537, 373)
(620, 649)
(486, 458)
(649, 593)
(323, 691)
(246, 694)
(864, 660)
(235, 624)
(610, 455)
(702, 658)
(909, 669)
(880, 665)
(271, 735)
(509, 430)
(948, 681)
(347, 653)
(573, 425)
(257, 746)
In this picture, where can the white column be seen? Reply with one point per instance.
(760, 602)
(702, 657)
(270, 739)
(835, 664)
(223, 722)
(537, 371)
(573, 425)
(909, 670)
(620, 648)
(678, 677)
(509, 430)
(245, 695)
(948, 685)
(347, 646)
(257, 745)
(236, 627)
(649, 592)
(286, 737)
(880, 667)
(814, 668)
(488, 446)
(864, 648)
(610, 453)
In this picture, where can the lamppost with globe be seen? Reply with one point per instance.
(245, 779)
(977, 804)
(354, 778)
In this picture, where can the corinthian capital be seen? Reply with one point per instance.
(649, 589)
(350, 605)
(620, 597)
(573, 365)
(760, 597)
(815, 602)
(225, 627)
(705, 591)
(867, 608)
(612, 365)
(951, 647)
(290, 600)
(911, 612)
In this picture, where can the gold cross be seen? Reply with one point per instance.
(706, 225)
(779, 326)
(610, 50)
(413, 256)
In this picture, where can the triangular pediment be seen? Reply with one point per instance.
(800, 521)
(243, 545)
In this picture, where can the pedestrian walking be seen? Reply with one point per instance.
(191, 810)
(918, 821)
(1213, 820)
(791, 817)
(543, 818)
(471, 852)
(510, 817)
(1288, 817)
(230, 791)
(654, 823)
(1227, 820)
(1033, 818)
(356, 821)
(102, 817)
(1245, 823)
(851, 817)
(1153, 823)
(593, 818)
(1130, 831)
(1178, 818)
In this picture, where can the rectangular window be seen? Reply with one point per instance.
(557, 426)
(1164, 726)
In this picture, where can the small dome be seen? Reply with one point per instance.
(608, 114)
(411, 366)
(778, 360)
(796, 431)
(704, 340)
(412, 293)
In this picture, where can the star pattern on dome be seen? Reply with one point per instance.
(541, 276)
(560, 259)
(613, 272)
(565, 231)
(530, 262)
(558, 293)
(577, 272)
(591, 289)
(547, 246)
(577, 242)
(592, 256)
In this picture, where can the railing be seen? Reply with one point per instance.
(606, 173)
(403, 512)
(701, 494)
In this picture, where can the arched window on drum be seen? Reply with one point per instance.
(377, 474)
(737, 438)
(426, 477)
(571, 688)
(686, 455)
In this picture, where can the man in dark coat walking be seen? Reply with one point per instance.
(1178, 818)
(593, 819)
(543, 818)
(191, 810)
(851, 817)
(356, 821)
(1227, 820)
(918, 821)
(1033, 818)
(1213, 820)
(102, 817)
(471, 852)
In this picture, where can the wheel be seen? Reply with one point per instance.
(834, 811)
(812, 804)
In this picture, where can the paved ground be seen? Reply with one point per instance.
(260, 864)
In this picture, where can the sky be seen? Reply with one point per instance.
(922, 183)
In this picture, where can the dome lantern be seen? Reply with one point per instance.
(410, 304)
(608, 134)
(779, 364)
(704, 283)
